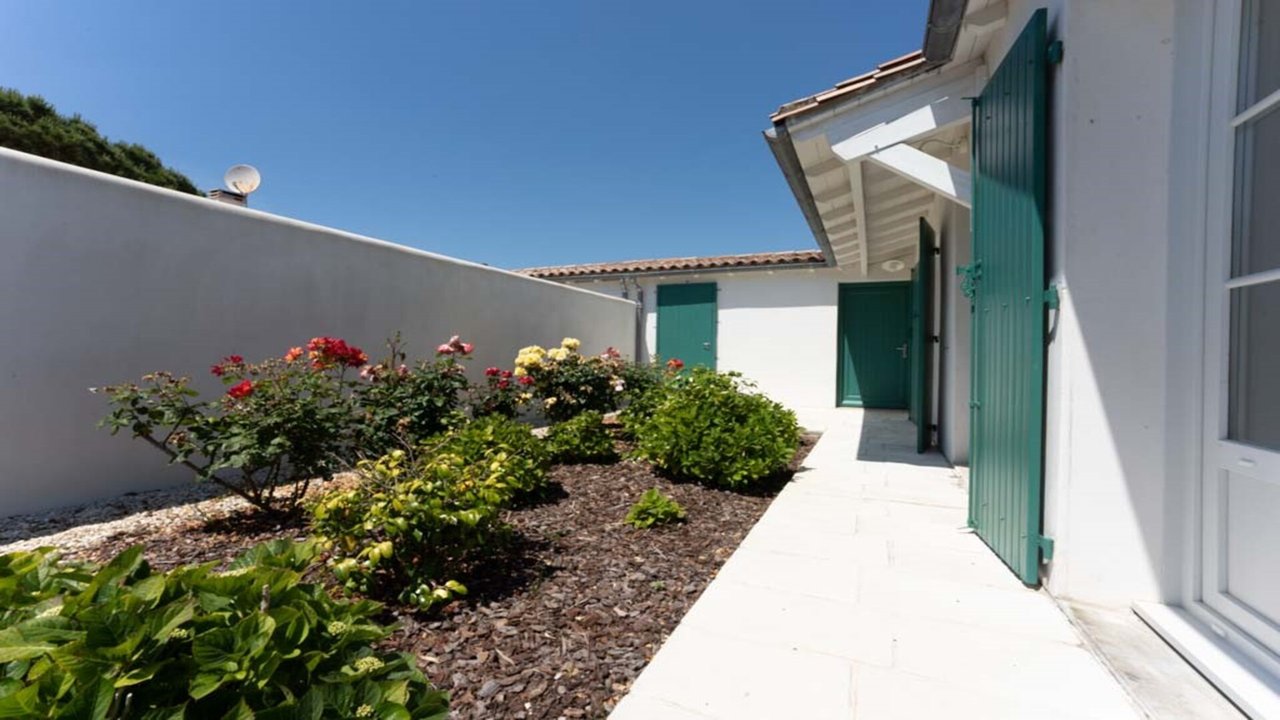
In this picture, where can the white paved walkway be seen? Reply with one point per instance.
(861, 594)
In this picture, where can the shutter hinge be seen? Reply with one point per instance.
(1046, 547)
(1051, 297)
(1053, 53)
(976, 405)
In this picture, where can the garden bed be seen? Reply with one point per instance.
(558, 626)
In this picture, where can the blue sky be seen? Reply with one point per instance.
(511, 133)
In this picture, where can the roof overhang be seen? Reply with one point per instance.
(867, 159)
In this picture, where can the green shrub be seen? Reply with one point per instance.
(640, 378)
(708, 426)
(654, 508)
(412, 525)
(583, 439)
(514, 456)
(254, 641)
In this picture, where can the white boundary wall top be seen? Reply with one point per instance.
(104, 279)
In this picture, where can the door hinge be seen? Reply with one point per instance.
(1053, 53)
(1051, 297)
(1046, 547)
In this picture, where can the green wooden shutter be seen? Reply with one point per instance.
(1008, 284)
(921, 369)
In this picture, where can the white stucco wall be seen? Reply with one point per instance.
(104, 279)
(1107, 499)
(953, 390)
(778, 328)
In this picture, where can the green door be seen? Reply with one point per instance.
(1007, 282)
(873, 326)
(687, 323)
(921, 339)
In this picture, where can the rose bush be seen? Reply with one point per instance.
(501, 394)
(568, 382)
(402, 405)
(281, 422)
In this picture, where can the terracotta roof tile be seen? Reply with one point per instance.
(658, 266)
(892, 70)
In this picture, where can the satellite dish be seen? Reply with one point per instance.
(242, 179)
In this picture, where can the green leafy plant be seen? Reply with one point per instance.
(513, 456)
(255, 640)
(412, 526)
(283, 421)
(582, 439)
(710, 427)
(403, 404)
(654, 508)
(569, 383)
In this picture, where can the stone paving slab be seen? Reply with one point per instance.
(860, 594)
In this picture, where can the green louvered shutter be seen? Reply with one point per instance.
(1008, 283)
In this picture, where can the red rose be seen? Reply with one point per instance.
(234, 359)
(504, 384)
(491, 372)
(526, 380)
(506, 374)
(217, 370)
(241, 390)
(675, 364)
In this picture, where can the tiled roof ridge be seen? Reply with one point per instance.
(858, 84)
(659, 265)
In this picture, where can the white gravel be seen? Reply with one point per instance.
(76, 528)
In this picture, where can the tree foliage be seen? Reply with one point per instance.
(30, 124)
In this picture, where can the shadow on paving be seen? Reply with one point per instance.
(887, 436)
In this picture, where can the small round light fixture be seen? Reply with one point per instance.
(242, 179)
(893, 266)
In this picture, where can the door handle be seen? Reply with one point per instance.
(706, 346)
(902, 349)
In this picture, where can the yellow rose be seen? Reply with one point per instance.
(549, 402)
(520, 372)
(571, 344)
(558, 354)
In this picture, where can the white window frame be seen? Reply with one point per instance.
(1223, 122)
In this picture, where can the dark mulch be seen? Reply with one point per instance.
(560, 623)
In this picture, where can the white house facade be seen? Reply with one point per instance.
(1116, 158)
(1082, 191)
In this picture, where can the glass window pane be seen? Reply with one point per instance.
(1256, 241)
(1259, 51)
(1255, 365)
